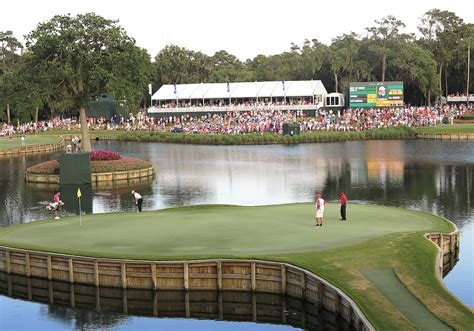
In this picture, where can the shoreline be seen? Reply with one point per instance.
(466, 132)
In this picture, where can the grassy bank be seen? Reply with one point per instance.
(375, 237)
(251, 138)
(448, 129)
(30, 140)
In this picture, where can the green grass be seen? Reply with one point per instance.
(214, 231)
(375, 237)
(388, 283)
(30, 140)
(448, 129)
(251, 138)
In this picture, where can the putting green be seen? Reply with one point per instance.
(214, 231)
(30, 140)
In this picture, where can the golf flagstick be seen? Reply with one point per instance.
(79, 194)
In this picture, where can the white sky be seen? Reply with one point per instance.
(244, 28)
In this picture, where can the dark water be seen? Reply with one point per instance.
(434, 176)
(88, 307)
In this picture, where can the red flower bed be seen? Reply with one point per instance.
(123, 164)
(46, 168)
(105, 156)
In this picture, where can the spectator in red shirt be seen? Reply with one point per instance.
(343, 206)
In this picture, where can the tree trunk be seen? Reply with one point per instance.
(429, 98)
(8, 113)
(36, 115)
(86, 141)
(440, 77)
(336, 82)
(446, 83)
(384, 66)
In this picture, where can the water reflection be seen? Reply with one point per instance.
(105, 308)
(434, 176)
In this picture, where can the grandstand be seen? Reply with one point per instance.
(238, 96)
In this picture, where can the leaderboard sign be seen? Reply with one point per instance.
(376, 94)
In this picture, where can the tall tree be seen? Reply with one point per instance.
(382, 36)
(86, 56)
(225, 67)
(174, 64)
(440, 30)
(417, 68)
(347, 62)
(10, 49)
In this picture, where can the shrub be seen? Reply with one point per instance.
(45, 168)
(122, 164)
(105, 156)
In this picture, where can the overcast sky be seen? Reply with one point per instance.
(244, 28)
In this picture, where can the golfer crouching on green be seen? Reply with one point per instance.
(138, 201)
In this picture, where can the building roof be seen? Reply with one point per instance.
(244, 90)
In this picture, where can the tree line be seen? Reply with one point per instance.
(68, 60)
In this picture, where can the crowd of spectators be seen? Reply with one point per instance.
(234, 122)
(238, 103)
(272, 121)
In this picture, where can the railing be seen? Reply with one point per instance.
(461, 98)
(158, 110)
(446, 136)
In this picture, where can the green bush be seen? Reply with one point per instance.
(267, 138)
(123, 164)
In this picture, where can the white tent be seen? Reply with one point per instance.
(241, 90)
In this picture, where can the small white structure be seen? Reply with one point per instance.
(334, 100)
(308, 92)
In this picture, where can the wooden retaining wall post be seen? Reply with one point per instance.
(30, 290)
(97, 299)
(253, 276)
(71, 271)
(303, 286)
(125, 302)
(187, 307)
(254, 307)
(50, 293)
(220, 306)
(27, 264)
(153, 276)
(320, 294)
(155, 302)
(124, 275)
(283, 310)
(186, 276)
(338, 305)
(350, 312)
(219, 275)
(10, 287)
(50, 268)
(96, 273)
(73, 298)
(283, 279)
(7, 258)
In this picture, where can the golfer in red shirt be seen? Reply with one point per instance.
(343, 206)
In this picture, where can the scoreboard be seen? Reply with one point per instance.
(376, 94)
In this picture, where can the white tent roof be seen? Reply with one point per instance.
(244, 90)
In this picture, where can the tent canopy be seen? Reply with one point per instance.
(241, 90)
